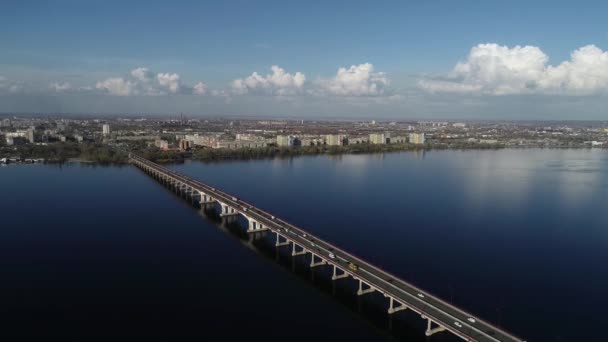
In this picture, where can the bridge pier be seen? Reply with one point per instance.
(362, 291)
(227, 210)
(255, 226)
(337, 276)
(392, 308)
(294, 251)
(315, 264)
(429, 327)
(279, 243)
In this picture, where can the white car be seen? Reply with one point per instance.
(304, 235)
(420, 295)
(471, 319)
(234, 198)
(458, 324)
(272, 217)
(332, 255)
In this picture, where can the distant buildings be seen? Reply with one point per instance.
(286, 140)
(29, 135)
(398, 140)
(106, 129)
(416, 138)
(185, 145)
(334, 139)
(377, 139)
(162, 144)
(26, 135)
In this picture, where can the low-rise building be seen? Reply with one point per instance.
(398, 140)
(162, 144)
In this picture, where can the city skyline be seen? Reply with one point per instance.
(333, 61)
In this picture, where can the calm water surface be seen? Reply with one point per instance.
(518, 237)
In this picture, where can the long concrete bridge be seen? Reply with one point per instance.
(440, 315)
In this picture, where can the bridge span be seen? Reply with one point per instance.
(401, 295)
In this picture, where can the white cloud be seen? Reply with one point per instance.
(142, 81)
(278, 82)
(142, 74)
(60, 87)
(358, 80)
(200, 89)
(116, 86)
(501, 70)
(169, 81)
(9, 85)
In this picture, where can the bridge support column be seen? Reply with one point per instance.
(294, 251)
(362, 291)
(315, 264)
(205, 200)
(337, 276)
(430, 330)
(227, 210)
(254, 226)
(279, 243)
(392, 309)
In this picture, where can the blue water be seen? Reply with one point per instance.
(518, 237)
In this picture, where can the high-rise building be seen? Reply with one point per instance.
(106, 129)
(285, 140)
(417, 138)
(377, 139)
(29, 135)
(334, 139)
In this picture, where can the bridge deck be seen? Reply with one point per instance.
(448, 316)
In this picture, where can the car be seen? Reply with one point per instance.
(353, 266)
(234, 199)
(244, 209)
(304, 235)
(420, 295)
(272, 217)
(471, 319)
(313, 245)
(458, 324)
(332, 255)
(213, 189)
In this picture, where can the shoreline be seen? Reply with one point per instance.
(223, 155)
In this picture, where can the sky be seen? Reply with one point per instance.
(307, 59)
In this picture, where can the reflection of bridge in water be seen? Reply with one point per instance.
(440, 315)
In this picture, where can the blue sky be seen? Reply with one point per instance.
(517, 60)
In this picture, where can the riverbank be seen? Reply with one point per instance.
(106, 155)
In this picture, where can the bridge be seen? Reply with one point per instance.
(401, 295)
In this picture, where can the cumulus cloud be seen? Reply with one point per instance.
(143, 81)
(169, 82)
(278, 82)
(10, 86)
(501, 70)
(358, 80)
(116, 86)
(142, 74)
(199, 89)
(60, 87)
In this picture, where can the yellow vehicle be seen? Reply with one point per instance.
(352, 266)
